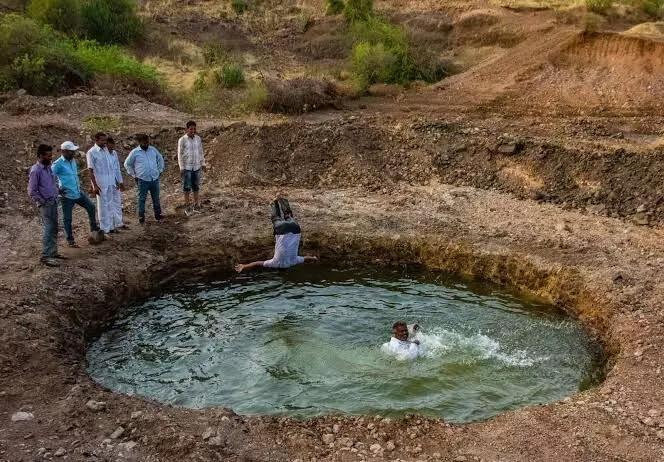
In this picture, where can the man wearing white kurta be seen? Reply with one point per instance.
(399, 345)
(117, 195)
(287, 240)
(106, 180)
(191, 161)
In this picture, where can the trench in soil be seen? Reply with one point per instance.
(309, 341)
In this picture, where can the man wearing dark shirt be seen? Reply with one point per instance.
(43, 190)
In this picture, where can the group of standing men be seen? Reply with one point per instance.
(52, 182)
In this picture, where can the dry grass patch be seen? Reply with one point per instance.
(298, 95)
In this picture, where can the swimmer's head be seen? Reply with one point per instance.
(400, 330)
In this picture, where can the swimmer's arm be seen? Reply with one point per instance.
(248, 266)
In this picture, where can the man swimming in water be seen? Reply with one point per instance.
(287, 240)
(399, 344)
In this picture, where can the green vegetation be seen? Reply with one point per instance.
(381, 54)
(112, 21)
(106, 21)
(239, 6)
(359, 10)
(334, 7)
(214, 54)
(62, 15)
(652, 8)
(229, 75)
(43, 61)
(102, 124)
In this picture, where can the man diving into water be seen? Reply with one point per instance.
(287, 240)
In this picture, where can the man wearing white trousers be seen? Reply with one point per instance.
(117, 195)
(106, 181)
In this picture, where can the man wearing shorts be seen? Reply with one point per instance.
(191, 161)
(287, 240)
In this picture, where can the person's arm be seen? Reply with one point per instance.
(160, 161)
(93, 178)
(248, 266)
(129, 164)
(181, 154)
(55, 168)
(200, 144)
(119, 182)
(33, 188)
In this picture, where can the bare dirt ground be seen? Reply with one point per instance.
(539, 167)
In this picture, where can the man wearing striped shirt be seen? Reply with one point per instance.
(287, 240)
(191, 161)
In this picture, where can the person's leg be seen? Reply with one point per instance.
(117, 208)
(85, 202)
(50, 218)
(67, 207)
(105, 203)
(154, 193)
(186, 189)
(248, 266)
(141, 194)
(195, 187)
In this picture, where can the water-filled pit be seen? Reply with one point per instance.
(309, 342)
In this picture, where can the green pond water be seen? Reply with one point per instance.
(308, 342)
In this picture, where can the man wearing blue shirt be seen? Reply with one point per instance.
(66, 170)
(145, 163)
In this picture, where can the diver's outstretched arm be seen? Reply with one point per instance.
(248, 266)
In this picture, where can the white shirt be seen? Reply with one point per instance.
(403, 349)
(105, 166)
(190, 153)
(285, 252)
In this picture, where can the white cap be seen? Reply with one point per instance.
(69, 146)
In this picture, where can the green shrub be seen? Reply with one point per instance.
(114, 62)
(112, 21)
(239, 6)
(62, 15)
(358, 10)
(257, 96)
(598, 6)
(43, 61)
(334, 7)
(229, 75)
(652, 8)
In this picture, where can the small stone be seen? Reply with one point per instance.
(648, 421)
(660, 434)
(436, 455)
(22, 416)
(390, 446)
(563, 226)
(371, 426)
(654, 413)
(335, 428)
(117, 433)
(207, 434)
(21, 92)
(216, 441)
(507, 148)
(136, 415)
(60, 452)
(128, 446)
(641, 208)
(225, 419)
(328, 438)
(375, 448)
(638, 353)
(95, 406)
(417, 450)
(460, 459)
(345, 441)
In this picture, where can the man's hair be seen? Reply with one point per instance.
(98, 135)
(110, 140)
(191, 123)
(43, 149)
(142, 137)
(398, 324)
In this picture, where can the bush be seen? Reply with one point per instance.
(652, 8)
(239, 6)
(358, 10)
(598, 6)
(334, 7)
(112, 21)
(298, 95)
(229, 75)
(62, 15)
(45, 62)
